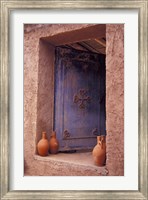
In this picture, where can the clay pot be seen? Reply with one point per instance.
(99, 151)
(43, 145)
(53, 143)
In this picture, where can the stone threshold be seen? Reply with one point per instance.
(78, 161)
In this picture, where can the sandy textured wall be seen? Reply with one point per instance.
(115, 98)
(45, 95)
(31, 45)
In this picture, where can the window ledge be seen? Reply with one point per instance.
(80, 164)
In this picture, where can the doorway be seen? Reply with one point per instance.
(79, 103)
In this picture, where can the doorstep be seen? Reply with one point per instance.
(74, 164)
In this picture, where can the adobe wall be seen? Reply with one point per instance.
(35, 102)
(115, 98)
(45, 94)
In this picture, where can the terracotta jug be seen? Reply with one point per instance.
(53, 143)
(99, 151)
(43, 145)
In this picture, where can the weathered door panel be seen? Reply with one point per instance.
(79, 95)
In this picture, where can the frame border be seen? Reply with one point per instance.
(142, 7)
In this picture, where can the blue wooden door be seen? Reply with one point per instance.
(79, 98)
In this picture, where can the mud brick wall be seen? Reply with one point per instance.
(115, 98)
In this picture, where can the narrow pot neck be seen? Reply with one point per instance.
(101, 138)
(44, 135)
(53, 134)
(98, 139)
